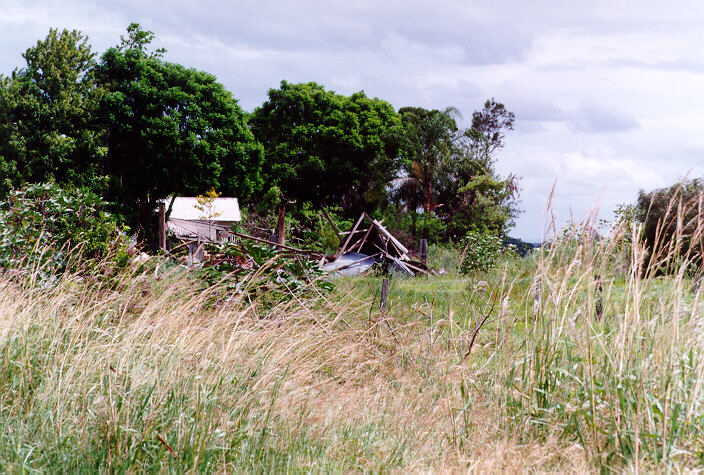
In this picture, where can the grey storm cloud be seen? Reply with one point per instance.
(592, 119)
(385, 30)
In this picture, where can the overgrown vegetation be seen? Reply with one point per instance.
(584, 354)
(135, 129)
(49, 230)
(564, 360)
(258, 270)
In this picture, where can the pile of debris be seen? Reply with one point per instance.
(366, 244)
(369, 242)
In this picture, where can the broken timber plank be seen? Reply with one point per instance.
(415, 268)
(395, 241)
(403, 266)
(364, 239)
(337, 231)
(347, 241)
(282, 246)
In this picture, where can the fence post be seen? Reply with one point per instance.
(423, 249)
(384, 295)
(281, 225)
(599, 303)
(162, 226)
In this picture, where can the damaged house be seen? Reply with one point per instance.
(369, 242)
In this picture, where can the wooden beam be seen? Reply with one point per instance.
(364, 239)
(337, 231)
(347, 241)
(423, 249)
(162, 226)
(281, 225)
(282, 246)
(386, 232)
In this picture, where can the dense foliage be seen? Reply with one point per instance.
(132, 126)
(135, 128)
(450, 172)
(187, 123)
(46, 115)
(668, 215)
(334, 144)
(51, 229)
(482, 251)
(261, 272)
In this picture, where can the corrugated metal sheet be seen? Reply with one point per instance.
(224, 209)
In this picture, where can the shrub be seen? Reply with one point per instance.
(46, 227)
(482, 250)
(444, 256)
(672, 224)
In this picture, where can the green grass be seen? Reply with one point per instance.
(155, 374)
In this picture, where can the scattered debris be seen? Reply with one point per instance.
(368, 237)
(352, 263)
(366, 244)
(275, 244)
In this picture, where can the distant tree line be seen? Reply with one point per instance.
(135, 128)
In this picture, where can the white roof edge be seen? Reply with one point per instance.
(223, 209)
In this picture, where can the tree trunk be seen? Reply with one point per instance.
(162, 226)
(414, 217)
(428, 192)
(281, 225)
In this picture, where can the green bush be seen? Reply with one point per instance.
(482, 251)
(431, 227)
(47, 228)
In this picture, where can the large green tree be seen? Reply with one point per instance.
(427, 139)
(46, 115)
(451, 171)
(474, 195)
(170, 130)
(326, 148)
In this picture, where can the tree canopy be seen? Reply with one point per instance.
(170, 129)
(450, 170)
(136, 128)
(326, 148)
(133, 127)
(46, 114)
(427, 143)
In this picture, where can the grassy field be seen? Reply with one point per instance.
(460, 373)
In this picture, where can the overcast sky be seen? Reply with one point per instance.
(608, 95)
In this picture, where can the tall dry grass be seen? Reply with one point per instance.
(612, 359)
(148, 374)
(153, 373)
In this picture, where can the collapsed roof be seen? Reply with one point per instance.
(369, 237)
